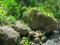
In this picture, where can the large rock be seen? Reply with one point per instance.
(8, 36)
(39, 20)
(58, 24)
(21, 28)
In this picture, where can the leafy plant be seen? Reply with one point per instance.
(24, 41)
(9, 10)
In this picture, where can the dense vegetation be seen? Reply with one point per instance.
(12, 10)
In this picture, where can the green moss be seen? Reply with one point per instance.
(38, 19)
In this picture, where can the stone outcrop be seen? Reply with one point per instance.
(8, 36)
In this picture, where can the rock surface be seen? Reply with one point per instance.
(8, 36)
(54, 39)
(21, 28)
(43, 38)
(38, 20)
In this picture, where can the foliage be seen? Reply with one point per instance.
(51, 6)
(24, 41)
(9, 9)
(16, 8)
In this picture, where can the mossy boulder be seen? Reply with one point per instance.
(37, 19)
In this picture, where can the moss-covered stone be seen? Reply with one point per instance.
(37, 19)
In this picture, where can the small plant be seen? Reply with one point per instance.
(24, 41)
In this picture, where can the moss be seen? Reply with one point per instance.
(38, 19)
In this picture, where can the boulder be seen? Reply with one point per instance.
(37, 40)
(21, 28)
(43, 39)
(38, 34)
(31, 33)
(37, 19)
(8, 36)
(58, 24)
